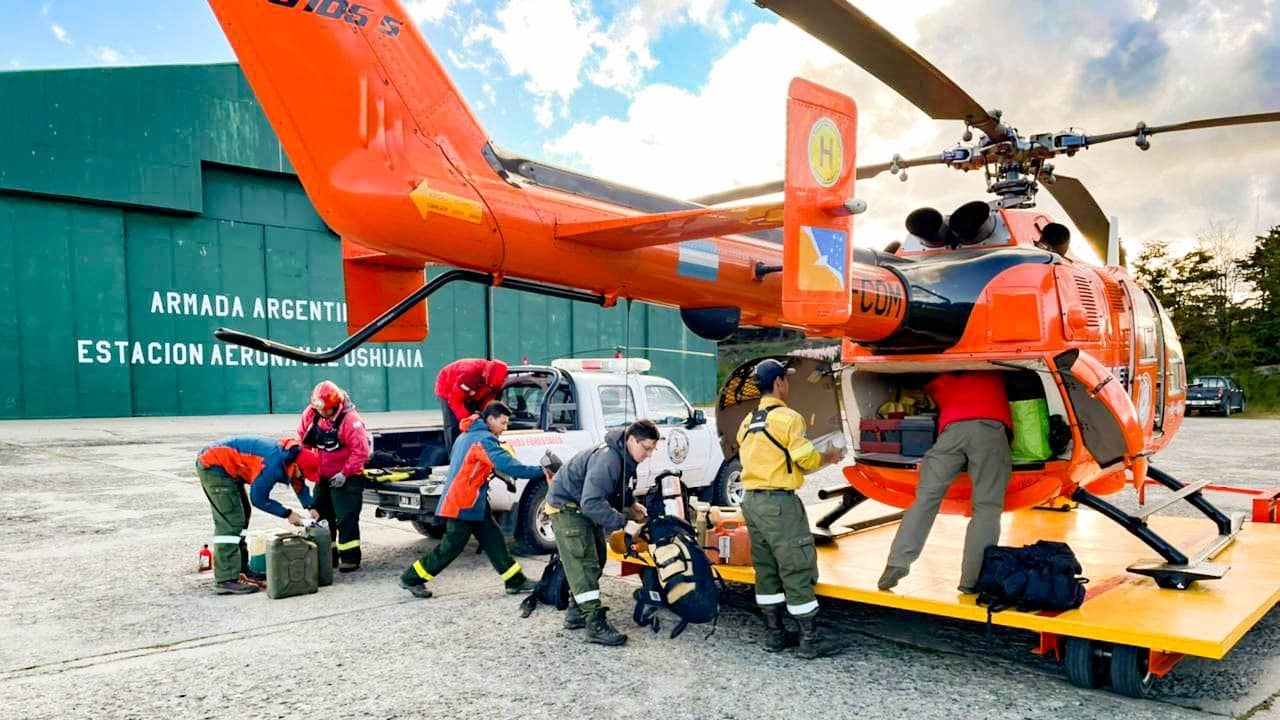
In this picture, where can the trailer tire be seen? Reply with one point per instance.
(533, 525)
(727, 490)
(432, 530)
(1129, 673)
(1083, 663)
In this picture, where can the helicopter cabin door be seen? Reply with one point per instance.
(1108, 421)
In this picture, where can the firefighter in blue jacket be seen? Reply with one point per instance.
(225, 468)
(464, 505)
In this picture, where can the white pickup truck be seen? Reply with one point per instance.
(565, 407)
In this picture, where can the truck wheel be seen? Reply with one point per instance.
(728, 489)
(1084, 664)
(533, 527)
(433, 531)
(1129, 673)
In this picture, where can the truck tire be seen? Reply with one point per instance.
(727, 490)
(431, 530)
(533, 525)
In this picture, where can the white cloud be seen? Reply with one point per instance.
(428, 11)
(60, 33)
(730, 131)
(15, 63)
(545, 40)
(108, 55)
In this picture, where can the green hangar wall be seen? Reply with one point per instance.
(142, 208)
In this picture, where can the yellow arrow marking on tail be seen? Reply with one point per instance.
(441, 203)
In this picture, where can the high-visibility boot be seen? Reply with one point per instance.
(812, 644)
(600, 631)
(776, 636)
(573, 617)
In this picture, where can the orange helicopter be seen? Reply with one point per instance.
(396, 163)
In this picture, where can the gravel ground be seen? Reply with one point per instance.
(106, 617)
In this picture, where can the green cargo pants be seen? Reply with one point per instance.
(984, 444)
(782, 551)
(341, 508)
(230, 505)
(581, 546)
(456, 535)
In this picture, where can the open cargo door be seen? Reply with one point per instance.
(815, 394)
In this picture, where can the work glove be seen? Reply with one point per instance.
(338, 480)
(633, 528)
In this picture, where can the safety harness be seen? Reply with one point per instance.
(326, 440)
(759, 424)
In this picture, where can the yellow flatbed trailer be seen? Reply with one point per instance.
(1127, 633)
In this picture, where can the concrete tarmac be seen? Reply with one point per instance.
(105, 616)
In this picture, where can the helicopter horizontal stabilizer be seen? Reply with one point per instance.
(640, 231)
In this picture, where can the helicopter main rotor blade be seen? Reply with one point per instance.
(1083, 210)
(776, 186)
(853, 34)
(1223, 121)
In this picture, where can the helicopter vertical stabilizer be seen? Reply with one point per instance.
(385, 145)
(817, 218)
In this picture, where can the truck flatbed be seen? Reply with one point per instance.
(1155, 627)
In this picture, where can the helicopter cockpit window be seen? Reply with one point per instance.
(1144, 327)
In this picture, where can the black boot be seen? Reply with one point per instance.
(812, 644)
(776, 636)
(600, 631)
(573, 617)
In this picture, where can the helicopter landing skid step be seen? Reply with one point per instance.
(1175, 570)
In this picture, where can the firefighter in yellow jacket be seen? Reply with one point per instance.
(464, 505)
(775, 454)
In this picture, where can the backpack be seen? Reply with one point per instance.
(681, 579)
(760, 424)
(552, 589)
(1033, 577)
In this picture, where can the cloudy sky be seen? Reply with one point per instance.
(687, 96)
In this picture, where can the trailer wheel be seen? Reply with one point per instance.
(727, 490)
(1129, 673)
(1083, 661)
(432, 531)
(533, 526)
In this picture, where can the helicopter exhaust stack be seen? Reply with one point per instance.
(972, 222)
(926, 224)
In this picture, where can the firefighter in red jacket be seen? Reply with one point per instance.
(331, 425)
(225, 468)
(464, 505)
(464, 388)
(974, 427)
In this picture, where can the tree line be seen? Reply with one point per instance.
(1224, 300)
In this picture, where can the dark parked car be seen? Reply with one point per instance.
(1216, 394)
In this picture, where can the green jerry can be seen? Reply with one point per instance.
(291, 566)
(319, 534)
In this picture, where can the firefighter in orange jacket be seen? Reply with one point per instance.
(464, 388)
(477, 456)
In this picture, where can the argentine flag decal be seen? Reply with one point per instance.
(699, 259)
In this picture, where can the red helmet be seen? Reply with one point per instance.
(308, 462)
(327, 398)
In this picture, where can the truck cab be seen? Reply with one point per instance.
(565, 407)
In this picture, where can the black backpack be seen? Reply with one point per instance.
(682, 579)
(1035, 577)
(552, 589)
